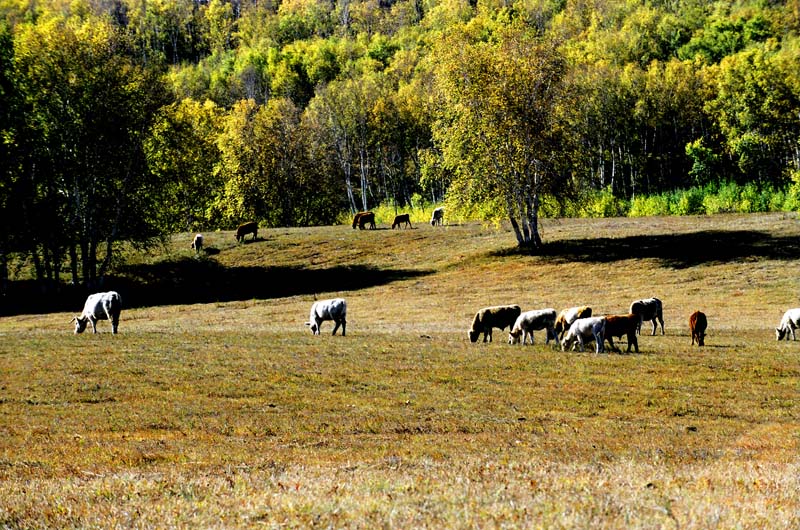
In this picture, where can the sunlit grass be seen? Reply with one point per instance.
(231, 414)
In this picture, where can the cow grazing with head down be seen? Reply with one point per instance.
(648, 309)
(334, 309)
(437, 217)
(401, 219)
(789, 323)
(566, 317)
(697, 326)
(197, 243)
(529, 321)
(585, 330)
(619, 325)
(246, 228)
(99, 306)
(500, 317)
(362, 219)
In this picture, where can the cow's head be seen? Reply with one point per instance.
(513, 336)
(313, 327)
(80, 324)
(473, 335)
(780, 333)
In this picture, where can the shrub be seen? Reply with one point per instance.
(688, 202)
(649, 205)
(605, 204)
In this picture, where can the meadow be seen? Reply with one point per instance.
(215, 407)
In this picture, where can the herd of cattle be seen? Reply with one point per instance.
(573, 327)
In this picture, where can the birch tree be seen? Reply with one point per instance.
(498, 128)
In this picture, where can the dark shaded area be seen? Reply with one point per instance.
(195, 281)
(673, 250)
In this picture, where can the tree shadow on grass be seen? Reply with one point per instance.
(197, 281)
(678, 251)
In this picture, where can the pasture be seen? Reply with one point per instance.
(220, 409)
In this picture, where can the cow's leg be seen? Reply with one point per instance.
(661, 321)
(633, 341)
(111, 319)
(336, 326)
(530, 334)
(611, 345)
(93, 322)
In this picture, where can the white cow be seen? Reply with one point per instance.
(529, 321)
(584, 330)
(99, 306)
(648, 309)
(789, 323)
(334, 309)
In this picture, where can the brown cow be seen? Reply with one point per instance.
(501, 317)
(400, 219)
(247, 228)
(362, 218)
(619, 325)
(697, 325)
(568, 316)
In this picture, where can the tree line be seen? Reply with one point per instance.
(125, 120)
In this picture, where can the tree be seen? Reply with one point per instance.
(757, 108)
(182, 153)
(88, 106)
(498, 129)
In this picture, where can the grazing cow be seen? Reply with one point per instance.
(246, 228)
(438, 216)
(197, 243)
(585, 330)
(568, 316)
(789, 323)
(334, 309)
(648, 309)
(99, 306)
(361, 219)
(697, 325)
(500, 317)
(619, 325)
(400, 219)
(529, 321)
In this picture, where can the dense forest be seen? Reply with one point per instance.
(124, 120)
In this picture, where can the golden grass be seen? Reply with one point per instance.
(230, 414)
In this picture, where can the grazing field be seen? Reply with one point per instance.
(221, 409)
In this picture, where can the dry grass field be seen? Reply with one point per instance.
(215, 407)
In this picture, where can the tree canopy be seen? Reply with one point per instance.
(123, 120)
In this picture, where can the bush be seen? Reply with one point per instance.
(649, 205)
(605, 204)
(689, 202)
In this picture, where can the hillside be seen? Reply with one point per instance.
(734, 267)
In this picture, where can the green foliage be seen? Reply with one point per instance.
(509, 110)
(605, 204)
